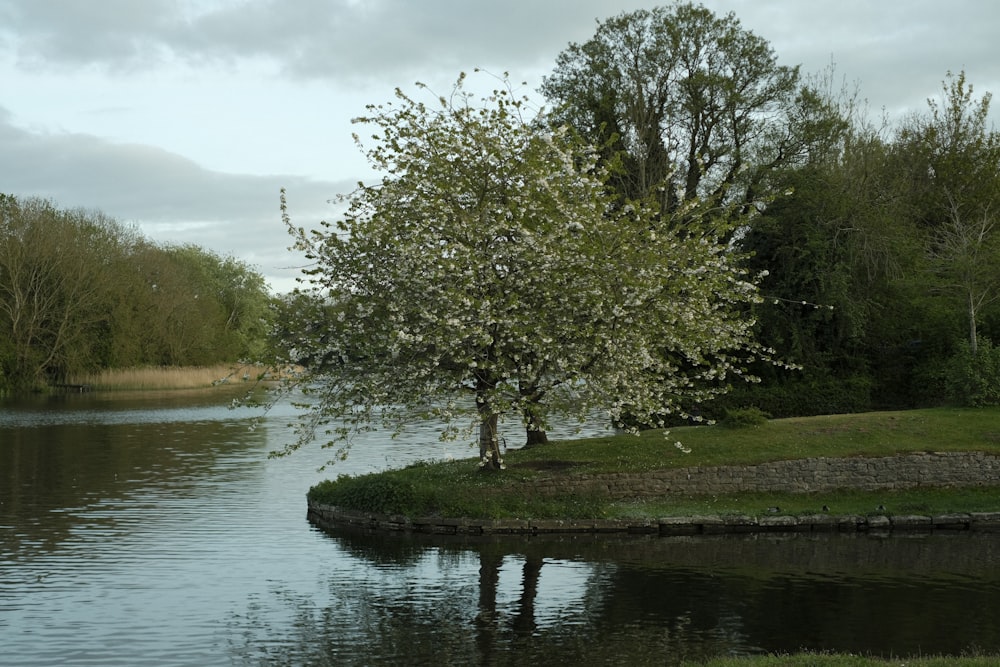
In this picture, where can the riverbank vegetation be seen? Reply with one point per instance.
(165, 377)
(454, 489)
(83, 295)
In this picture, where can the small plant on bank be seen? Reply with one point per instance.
(745, 417)
(384, 494)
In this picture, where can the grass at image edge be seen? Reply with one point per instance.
(848, 660)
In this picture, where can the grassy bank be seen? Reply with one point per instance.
(458, 489)
(166, 377)
(822, 660)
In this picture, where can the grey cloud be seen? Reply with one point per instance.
(117, 33)
(343, 39)
(166, 196)
(899, 52)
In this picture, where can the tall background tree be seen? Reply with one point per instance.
(895, 228)
(51, 288)
(686, 105)
(689, 107)
(952, 155)
(956, 172)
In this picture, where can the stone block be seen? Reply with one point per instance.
(611, 526)
(778, 522)
(911, 522)
(851, 522)
(819, 522)
(559, 526)
(508, 526)
(677, 525)
(740, 523)
(951, 521)
(985, 521)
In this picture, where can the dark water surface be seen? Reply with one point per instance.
(155, 531)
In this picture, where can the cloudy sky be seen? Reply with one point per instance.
(186, 117)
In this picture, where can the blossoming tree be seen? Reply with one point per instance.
(490, 273)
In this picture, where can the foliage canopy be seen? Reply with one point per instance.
(687, 104)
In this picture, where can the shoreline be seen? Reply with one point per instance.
(900, 472)
(715, 524)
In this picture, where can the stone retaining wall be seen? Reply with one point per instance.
(335, 517)
(928, 469)
(937, 469)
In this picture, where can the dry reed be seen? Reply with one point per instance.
(168, 377)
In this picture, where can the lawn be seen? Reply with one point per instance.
(459, 489)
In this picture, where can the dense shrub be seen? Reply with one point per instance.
(744, 417)
(796, 397)
(384, 494)
(973, 378)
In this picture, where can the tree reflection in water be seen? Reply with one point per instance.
(413, 599)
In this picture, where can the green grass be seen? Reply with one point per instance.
(458, 489)
(847, 660)
(922, 501)
(868, 434)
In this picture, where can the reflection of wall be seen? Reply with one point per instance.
(329, 517)
(970, 555)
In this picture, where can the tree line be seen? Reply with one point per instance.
(892, 230)
(877, 243)
(80, 292)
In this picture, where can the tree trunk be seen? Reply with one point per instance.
(524, 623)
(486, 620)
(534, 424)
(535, 438)
(534, 431)
(973, 337)
(489, 439)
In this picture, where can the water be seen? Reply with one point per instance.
(155, 531)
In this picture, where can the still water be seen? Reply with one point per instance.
(155, 531)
